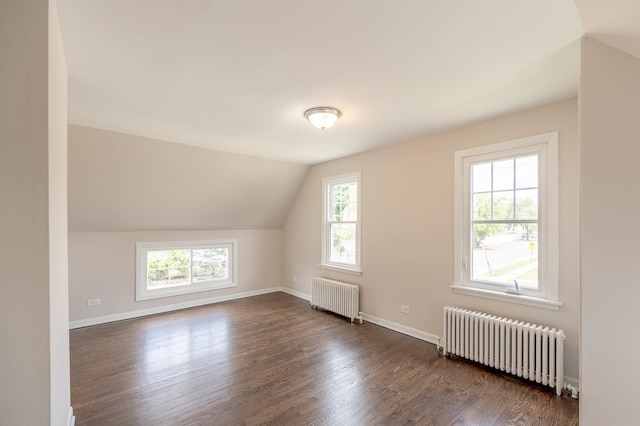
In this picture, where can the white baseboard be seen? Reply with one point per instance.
(409, 331)
(71, 417)
(167, 308)
(298, 294)
(413, 332)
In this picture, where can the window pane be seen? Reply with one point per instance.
(351, 211)
(343, 243)
(339, 196)
(336, 208)
(173, 268)
(340, 227)
(527, 172)
(481, 206)
(481, 177)
(179, 276)
(505, 252)
(344, 202)
(157, 278)
(167, 267)
(503, 175)
(220, 264)
(179, 258)
(353, 192)
(527, 204)
(200, 256)
(503, 205)
(210, 264)
(157, 259)
(202, 273)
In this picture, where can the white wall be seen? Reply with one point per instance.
(610, 236)
(34, 389)
(407, 226)
(103, 266)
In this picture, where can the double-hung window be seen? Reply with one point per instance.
(181, 267)
(341, 223)
(506, 216)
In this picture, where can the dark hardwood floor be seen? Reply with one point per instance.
(272, 359)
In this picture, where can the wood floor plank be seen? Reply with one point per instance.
(271, 359)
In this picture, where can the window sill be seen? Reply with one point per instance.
(180, 290)
(341, 269)
(510, 298)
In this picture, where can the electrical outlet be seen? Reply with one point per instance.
(405, 309)
(93, 302)
(294, 279)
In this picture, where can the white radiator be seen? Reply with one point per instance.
(336, 296)
(525, 350)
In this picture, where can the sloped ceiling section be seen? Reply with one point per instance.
(120, 182)
(614, 22)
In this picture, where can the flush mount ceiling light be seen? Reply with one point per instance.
(322, 117)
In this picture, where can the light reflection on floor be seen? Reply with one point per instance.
(180, 341)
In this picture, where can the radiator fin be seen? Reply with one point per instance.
(530, 351)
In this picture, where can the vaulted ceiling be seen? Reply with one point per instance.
(237, 75)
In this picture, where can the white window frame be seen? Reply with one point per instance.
(546, 146)
(326, 262)
(143, 293)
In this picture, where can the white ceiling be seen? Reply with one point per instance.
(238, 75)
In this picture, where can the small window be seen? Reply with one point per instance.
(341, 224)
(173, 268)
(507, 219)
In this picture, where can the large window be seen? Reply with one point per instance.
(172, 268)
(341, 225)
(507, 221)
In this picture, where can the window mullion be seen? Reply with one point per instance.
(190, 266)
(513, 213)
(492, 186)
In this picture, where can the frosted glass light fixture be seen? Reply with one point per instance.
(322, 117)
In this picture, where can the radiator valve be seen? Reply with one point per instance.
(572, 389)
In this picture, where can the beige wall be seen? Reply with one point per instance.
(58, 246)
(121, 182)
(103, 266)
(125, 189)
(407, 226)
(610, 202)
(34, 389)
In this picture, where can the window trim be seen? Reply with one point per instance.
(325, 262)
(547, 145)
(143, 293)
